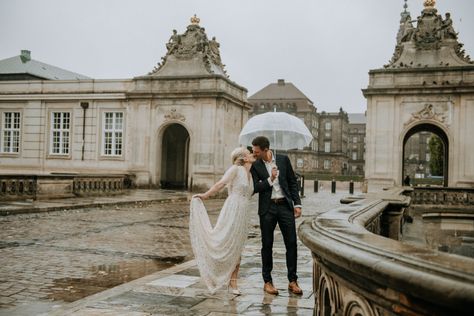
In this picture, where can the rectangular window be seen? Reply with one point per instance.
(327, 147)
(327, 164)
(11, 123)
(354, 155)
(60, 132)
(112, 134)
(328, 126)
(354, 139)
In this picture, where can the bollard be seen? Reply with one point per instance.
(351, 187)
(333, 186)
(316, 186)
(302, 187)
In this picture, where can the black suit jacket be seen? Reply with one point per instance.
(286, 178)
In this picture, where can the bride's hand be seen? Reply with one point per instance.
(199, 196)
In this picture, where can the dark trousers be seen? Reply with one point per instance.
(281, 214)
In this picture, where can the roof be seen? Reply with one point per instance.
(23, 64)
(279, 90)
(357, 118)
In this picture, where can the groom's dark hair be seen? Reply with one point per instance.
(262, 142)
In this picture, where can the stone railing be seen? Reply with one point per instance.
(357, 270)
(37, 187)
(443, 196)
(17, 186)
(87, 185)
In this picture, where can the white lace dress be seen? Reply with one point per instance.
(217, 249)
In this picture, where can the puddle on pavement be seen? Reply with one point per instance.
(105, 277)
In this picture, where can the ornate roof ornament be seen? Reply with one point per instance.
(432, 43)
(430, 3)
(191, 53)
(195, 20)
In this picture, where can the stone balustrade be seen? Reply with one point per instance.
(21, 187)
(87, 185)
(360, 267)
(443, 196)
(17, 186)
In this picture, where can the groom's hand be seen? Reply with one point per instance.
(274, 173)
(297, 212)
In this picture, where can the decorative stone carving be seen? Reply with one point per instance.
(428, 44)
(357, 305)
(173, 115)
(173, 42)
(427, 35)
(193, 44)
(328, 287)
(427, 113)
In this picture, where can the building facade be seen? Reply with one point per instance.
(427, 86)
(148, 127)
(333, 138)
(356, 144)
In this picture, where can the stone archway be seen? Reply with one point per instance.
(175, 157)
(431, 128)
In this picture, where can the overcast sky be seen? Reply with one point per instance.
(325, 48)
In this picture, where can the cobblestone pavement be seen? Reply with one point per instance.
(50, 259)
(127, 197)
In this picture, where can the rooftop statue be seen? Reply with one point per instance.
(432, 43)
(195, 51)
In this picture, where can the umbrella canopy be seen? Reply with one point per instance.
(284, 131)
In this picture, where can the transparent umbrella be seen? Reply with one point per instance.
(284, 131)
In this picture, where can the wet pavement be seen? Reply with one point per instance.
(129, 197)
(54, 262)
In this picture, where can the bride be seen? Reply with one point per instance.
(217, 249)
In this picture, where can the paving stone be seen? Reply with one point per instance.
(67, 256)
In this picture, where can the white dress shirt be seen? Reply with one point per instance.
(275, 184)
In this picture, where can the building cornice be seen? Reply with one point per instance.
(418, 90)
(63, 96)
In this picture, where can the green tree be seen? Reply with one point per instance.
(436, 155)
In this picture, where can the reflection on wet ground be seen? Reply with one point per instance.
(104, 277)
(448, 230)
(58, 257)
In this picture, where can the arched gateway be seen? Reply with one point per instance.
(175, 157)
(435, 133)
(428, 85)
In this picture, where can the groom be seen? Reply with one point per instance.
(278, 202)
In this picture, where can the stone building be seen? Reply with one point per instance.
(150, 127)
(327, 153)
(428, 85)
(333, 139)
(356, 144)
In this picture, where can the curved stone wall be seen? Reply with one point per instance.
(360, 267)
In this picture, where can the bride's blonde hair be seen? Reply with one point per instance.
(238, 156)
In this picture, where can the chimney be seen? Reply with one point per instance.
(25, 56)
(281, 82)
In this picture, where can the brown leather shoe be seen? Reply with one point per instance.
(270, 289)
(294, 288)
